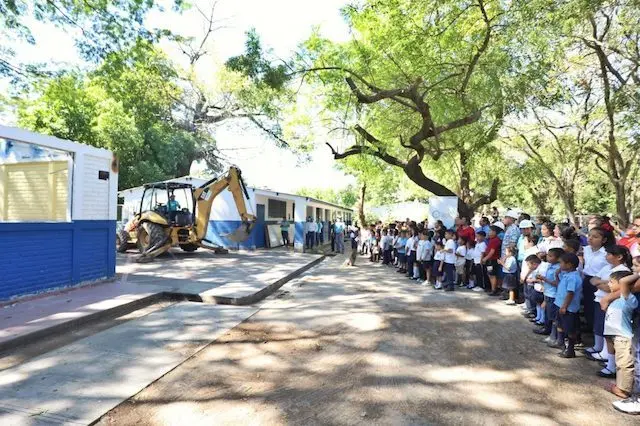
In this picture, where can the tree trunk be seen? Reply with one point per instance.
(621, 205)
(465, 178)
(361, 217)
(569, 202)
(415, 173)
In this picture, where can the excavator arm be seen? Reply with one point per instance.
(206, 194)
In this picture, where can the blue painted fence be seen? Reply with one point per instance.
(37, 257)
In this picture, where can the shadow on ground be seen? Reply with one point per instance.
(363, 345)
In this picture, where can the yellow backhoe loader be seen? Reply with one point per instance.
(177, 214)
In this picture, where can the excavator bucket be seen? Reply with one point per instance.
(242, 233)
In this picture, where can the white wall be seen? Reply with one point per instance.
(224, 207)
(92, 198)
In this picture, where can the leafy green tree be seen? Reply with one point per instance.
(427, 79)
(100, 27)
(126, 106)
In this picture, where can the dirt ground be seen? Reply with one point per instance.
(363, 345)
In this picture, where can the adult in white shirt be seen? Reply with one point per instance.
(311, 232)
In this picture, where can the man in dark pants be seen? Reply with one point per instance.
(284, 230)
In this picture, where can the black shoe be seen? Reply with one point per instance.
(590, 357)
(556, 345)
(448, 289)
(567, 354)
(541, 331)
(532, 319)
(494, 294)
(539, 324)
(608, 375)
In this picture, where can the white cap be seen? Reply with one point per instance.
(512, 213)
(526, 224)
(499, 225)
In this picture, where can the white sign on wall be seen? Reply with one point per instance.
(444, 209)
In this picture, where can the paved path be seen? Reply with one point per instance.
(79, 382)
(233, 275)
(365, 346)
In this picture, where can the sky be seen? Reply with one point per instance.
(281, 24)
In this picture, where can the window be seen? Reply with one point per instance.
(35, 182)
(277, 208)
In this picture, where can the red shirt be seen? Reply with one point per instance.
(495, 244)
(467, 232)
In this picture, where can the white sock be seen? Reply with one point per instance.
(599, 342)
(472, 283)
(604, 353)
(611, 363)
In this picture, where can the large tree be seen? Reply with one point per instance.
(425, 79)
(611, 35)
(127, 106)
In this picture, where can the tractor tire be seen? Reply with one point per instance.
(147, 240)
(189, 247)
(122, 241)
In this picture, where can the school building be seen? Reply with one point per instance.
(270, 207)
(57, 213)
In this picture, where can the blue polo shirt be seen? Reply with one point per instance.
(520, 247)
(403, 243)
(569, 281)
(549, 290)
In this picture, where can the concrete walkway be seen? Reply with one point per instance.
(235, 278)
(78, 383)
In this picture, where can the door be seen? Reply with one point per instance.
(260, 225)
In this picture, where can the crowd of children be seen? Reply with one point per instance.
(571, 282)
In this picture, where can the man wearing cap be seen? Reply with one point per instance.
(511, 231)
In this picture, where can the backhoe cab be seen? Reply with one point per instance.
(177, 214)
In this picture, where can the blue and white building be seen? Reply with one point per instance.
(270, 207)
(58, 207)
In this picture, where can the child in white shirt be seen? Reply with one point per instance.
(478, 268)
(449, 265)
(438, 264)
(461, 255)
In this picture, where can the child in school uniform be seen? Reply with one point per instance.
(401, 247)
(417, 267)
(619, 333)
(426, 258)
(568, 297)
(548, 274)
(594, 255)
(509, 269)
(461, 260)
(438, 267)
(630, 405)
(449, 262)
(481, 279)
(394, 250)
(618, 259)
(492, 254)
(536, 288)
(468, 264)
(410, 250)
